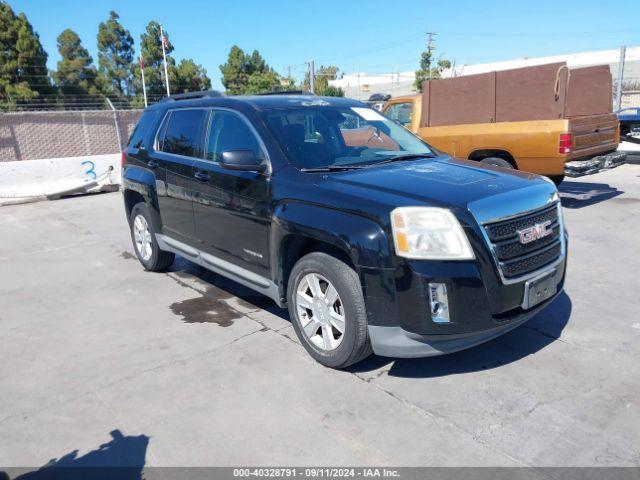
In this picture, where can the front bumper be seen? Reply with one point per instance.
(399, 343)
(481, 309)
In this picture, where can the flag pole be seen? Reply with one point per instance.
(144, 86)
(164, 58)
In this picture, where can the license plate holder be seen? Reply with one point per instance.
(539, 289)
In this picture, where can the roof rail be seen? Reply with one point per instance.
(286, 92)
(192, 95)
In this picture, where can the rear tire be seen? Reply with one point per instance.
(143, 236)
(319, 312)
(557, 179)
(496, 162)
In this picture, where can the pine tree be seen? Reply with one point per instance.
(23, 60)
(115, 56)
(244, 74)
(76, 74)
(191, 77)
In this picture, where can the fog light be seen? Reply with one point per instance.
(439, 303)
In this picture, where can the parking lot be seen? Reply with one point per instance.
(104, 363)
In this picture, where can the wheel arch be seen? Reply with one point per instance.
(139, 185)
(299, 229)
(480, 154)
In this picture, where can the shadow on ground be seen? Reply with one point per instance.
(123, 458)
(533, 336)
(582, 194)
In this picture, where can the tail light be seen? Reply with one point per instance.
(123, 159)
(565, 143)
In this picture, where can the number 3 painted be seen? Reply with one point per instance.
(90, 171)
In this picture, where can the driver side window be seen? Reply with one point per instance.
(228, 131)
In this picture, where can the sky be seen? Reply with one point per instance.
(372, 36)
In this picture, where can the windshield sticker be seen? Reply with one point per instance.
(369, 114)
(311, 103)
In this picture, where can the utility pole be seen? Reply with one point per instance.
(623, 52)
(430, 48)
(289, 74)
(312, 78)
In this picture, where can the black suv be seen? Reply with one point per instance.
(373, 240)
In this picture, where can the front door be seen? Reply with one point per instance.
(232, 208)
(178, 144)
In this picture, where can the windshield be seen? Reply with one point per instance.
(331, 136)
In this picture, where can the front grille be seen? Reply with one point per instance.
(516, 259)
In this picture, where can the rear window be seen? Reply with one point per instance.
(139, 133)
(182, 132)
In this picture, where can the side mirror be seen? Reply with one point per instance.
(244, 160)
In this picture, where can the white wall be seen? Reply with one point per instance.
(29, 180)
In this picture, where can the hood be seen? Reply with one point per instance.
(447, 182)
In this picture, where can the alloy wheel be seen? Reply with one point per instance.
(320, 311)
(142, 236)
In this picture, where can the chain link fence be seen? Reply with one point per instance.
(56, 134)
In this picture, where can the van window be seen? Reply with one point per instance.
(182, 132)
(142, 128)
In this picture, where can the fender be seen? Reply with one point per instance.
(359, 237)
(143, 181)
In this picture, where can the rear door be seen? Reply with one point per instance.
(232, 208)
(177, 146)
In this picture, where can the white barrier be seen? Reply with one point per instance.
(32, 180)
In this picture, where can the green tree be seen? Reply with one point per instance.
(244, 74)
(76, 74)
(23, 60)
(322, 77)
(332, 91)
(429, 69)
(191, 77)
(115, 55)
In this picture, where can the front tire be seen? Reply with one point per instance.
(327, 310)
(143, 236)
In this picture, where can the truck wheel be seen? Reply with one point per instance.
(326, 306)
(498, 162)
(557, 179)
(143, 235)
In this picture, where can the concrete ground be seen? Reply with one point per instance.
(102, 363)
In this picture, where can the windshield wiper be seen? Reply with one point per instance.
(400, 158)
(332, 168)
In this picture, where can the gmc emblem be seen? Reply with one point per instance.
(538, 231)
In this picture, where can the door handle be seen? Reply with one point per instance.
(204, 176)
(152, 164)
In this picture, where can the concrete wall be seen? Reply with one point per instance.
(47, 135)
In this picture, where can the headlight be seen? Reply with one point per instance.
(429, 233)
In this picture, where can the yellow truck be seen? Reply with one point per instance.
(545, 119)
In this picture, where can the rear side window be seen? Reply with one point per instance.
(182, 133)
(142, 128)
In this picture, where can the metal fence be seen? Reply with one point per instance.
(56, 134)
